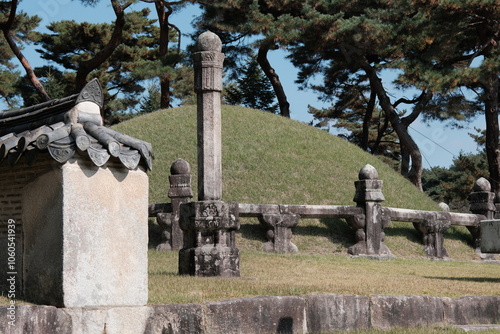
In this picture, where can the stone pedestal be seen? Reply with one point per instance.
(434, 230)
(209, 239)
(370, 227)
(279, 233)
(86, 236)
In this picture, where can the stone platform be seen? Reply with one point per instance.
(291, 314)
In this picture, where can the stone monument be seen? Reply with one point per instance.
(209, 224)
(77, 195)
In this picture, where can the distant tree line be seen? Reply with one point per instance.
(444, 51)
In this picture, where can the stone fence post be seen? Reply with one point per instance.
(482, 203)
(180, 192)
(209, 225)
(369, 227)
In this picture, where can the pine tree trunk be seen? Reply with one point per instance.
(407, 143)
(492, 131)
(163, 16)
(274, 79)
(365, 136)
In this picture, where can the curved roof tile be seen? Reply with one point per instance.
(64, 126)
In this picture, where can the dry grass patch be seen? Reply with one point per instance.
(291, 275)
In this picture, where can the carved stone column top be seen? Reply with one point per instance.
(369, 187)
(180, 180)
(482, 199)
(208, 41)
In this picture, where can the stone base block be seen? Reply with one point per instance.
(86, 236)
(209, 261)
(360, 249)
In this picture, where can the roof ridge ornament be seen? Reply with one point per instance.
(92, 92)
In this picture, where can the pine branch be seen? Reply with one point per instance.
(10, 38)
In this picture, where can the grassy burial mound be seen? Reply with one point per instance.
(268, 159)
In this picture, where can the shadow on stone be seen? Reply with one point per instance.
(285, 326)
(154, 234)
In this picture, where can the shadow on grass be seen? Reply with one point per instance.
(336, 230)
(253, 231)
(408, 232)
(468, 279)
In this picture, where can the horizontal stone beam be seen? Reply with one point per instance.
(305, 211)
(420, 216)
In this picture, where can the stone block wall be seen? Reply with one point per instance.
(286, 314)
(12, 182)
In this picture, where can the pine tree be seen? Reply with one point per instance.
(252, 90)
(70, 44)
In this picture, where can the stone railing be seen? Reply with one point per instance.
(368, 218)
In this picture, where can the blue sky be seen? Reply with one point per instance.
(438, 143)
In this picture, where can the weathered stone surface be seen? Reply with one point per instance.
(327, 313)
(257, 315)
(399, 311)
(482, 202)
(279, 232)
(307, 314)
(490, 236)
(208, 85)
(434, 237)
(180, 192)
(209, 239)
(370, 226)
(108, 320)
(184, 318)
(34, 320)
(472, 310)
(86, 236)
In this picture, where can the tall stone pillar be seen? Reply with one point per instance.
(208, 85)
(209, 225)
(370, 230)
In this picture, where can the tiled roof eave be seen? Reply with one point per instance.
(63, 127)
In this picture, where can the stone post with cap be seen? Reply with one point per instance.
(209, 224)
(370, 226)
(482, 203)
(180, 192)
